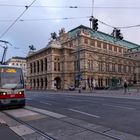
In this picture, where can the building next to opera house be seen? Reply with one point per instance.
(86, 58)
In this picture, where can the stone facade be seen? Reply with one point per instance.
(135, 53)
(81, 57)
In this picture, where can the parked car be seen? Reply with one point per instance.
(71, 88)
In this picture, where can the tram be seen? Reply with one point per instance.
(11, 86)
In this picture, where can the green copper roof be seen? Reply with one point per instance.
(102, 36)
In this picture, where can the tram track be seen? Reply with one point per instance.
(46, 135)
(87, 129)
(98, 132)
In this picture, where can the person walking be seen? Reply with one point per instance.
(125, 87)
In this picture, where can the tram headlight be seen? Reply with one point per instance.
(3, 93)
(20, 92)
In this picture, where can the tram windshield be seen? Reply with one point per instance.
(11, 78)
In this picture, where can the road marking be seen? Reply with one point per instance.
(45, 103)
(46, 112)
(91, 115)
(122, 107)
(38, 101)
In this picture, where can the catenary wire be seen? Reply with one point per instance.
(98, 7)
(73, 18)
(26, 8)
(43, 19)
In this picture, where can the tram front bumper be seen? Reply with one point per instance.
(12, 102)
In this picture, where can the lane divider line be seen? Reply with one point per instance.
(122, 107)
(81, 112)
(45, 103)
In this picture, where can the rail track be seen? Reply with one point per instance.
(45, 135)
(49, 137)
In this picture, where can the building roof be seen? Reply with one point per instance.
(95, 34)
(102, 36)
(18, 57)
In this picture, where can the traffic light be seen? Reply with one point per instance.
(117, 34)
(95, 24)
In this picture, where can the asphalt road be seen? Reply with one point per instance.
(115, 113)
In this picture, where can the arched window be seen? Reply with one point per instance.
(34, 67)
(41, 83)
(37, 83)
(34, 83)
(31, 68)
(30, 83)
(46, 82)
(58, 66)
(37, 66)
(55, 66)
(46, 64)
(41, 65)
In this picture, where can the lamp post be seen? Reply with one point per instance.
(78, 75)
(138, 76)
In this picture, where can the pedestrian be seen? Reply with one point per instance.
(125, 87)
(79, 89)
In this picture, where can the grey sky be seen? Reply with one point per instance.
(37, 32)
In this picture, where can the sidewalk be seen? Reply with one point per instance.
(6, 133)
(130, 94)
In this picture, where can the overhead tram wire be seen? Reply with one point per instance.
(98, 7)
(73, 18)
(46, 19)
(106, 24)
(65, 18)
(26, 8)
(119, 27)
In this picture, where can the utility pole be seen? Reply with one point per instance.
(93, 21)
(138, 75)
(78, 64)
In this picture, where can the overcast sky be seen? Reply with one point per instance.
(30, 29)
